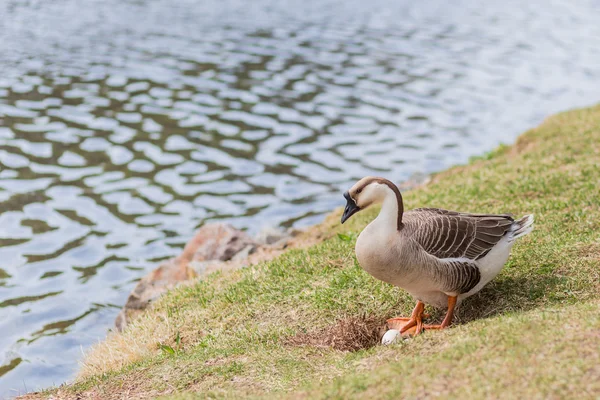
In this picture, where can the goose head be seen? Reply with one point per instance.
(372, 190)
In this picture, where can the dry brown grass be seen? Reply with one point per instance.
(347, 334)
(121, 349)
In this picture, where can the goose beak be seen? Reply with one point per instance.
(351, 208)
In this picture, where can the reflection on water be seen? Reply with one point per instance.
(124, 125)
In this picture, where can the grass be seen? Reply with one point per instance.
(306, 324)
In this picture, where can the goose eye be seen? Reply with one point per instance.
(358, 191)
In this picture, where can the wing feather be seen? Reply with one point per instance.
(450, 234)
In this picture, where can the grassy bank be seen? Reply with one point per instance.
(307, 323)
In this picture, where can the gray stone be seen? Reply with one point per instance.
(219, 242)
(270, 235)
(416, 179)
(245, 252)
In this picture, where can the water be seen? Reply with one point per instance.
(125, 125)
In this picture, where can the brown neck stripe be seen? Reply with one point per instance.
(396, 191)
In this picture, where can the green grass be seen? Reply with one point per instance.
(533, 332)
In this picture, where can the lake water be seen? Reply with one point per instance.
(125, 125)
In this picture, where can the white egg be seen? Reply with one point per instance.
(391, 336)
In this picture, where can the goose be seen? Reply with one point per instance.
(440, 257)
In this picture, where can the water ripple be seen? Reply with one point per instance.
(125, 125)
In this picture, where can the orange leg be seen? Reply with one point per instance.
(409, 326)
(414, 325)
(448, 319)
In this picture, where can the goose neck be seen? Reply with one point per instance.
(391, 212)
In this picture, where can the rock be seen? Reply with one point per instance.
(203, 268)
(293, 232)
(219, 242)
(150, 287)
(210, 246)
(244, 253)
(416, 179)
(270, 235)
(276, 238)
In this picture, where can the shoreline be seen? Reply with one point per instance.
(219, 247)
(266, 329)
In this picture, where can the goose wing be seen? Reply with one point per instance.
(450, 234)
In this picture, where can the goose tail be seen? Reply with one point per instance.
(522, 227)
